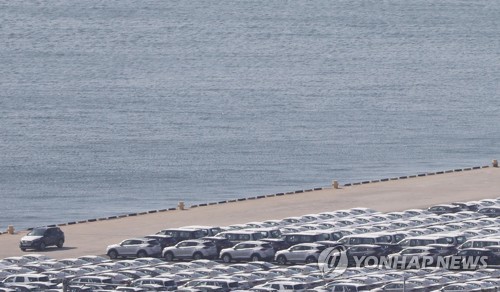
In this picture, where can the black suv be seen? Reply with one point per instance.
(180, 234)
(41, 237)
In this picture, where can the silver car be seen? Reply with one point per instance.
(135, 247)
(191, 249)
(300, 253)
(248, 250)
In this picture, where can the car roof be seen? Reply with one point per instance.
(420, 247)
(475, 248)
(199, 240)
(93, 276)
(200, 227)
(242, 231)
(46, 227)
(138, 238)
(214, 238)
(311, 244)
(181, 229)
(367, 245)
(253, 242)
(158, 236)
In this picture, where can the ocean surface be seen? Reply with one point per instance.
(111, 107)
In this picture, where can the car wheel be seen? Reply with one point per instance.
(112, 254)
(169, 256)
(281, 260)
(226, 258)
(197, 256)
(255, 258)
(41, 246)
(142, 254)
(310, 260)
(60, 243)
(23, 249)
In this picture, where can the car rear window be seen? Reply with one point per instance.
(208, 244)
(266, 245)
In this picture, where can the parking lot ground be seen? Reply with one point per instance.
(393, 195)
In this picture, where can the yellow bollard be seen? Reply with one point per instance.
(495, 163)
(335, 184)
(180, 206)
(10, 229)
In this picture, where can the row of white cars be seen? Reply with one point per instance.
(302, 239)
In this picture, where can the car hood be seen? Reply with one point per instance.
(285, 251)
(113, 246)
(169, 248)
(31, 237)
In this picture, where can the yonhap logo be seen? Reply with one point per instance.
(332, 261)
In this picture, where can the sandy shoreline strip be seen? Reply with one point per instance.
(393, 195)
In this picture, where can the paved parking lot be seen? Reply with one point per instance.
(92, 238)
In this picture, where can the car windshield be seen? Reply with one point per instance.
(37, 232)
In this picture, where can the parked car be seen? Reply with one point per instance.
(96, 281)
(374, 238)
(350, 286)
(156, 284)
(191, 249)
(444, 249)
(473, 258)
(41, 237)
(238, 236)
(364, 250)
(467, 206)
(207, 230)
(413, 257)
(284, 286)
(32, 279)
(300, 253)
(164, 240)
(481, 242)
(249, 251)
(134, 247)
(268, 232)
(490, 211)
(311, 236)
(220, 242)
(180, 234)
(444, 208)
(225, 284)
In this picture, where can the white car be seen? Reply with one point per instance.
(283, 286)
(248, 250)
(156, 284)
(191, 249)
(27, 279)
(135, 247)
(300, 253)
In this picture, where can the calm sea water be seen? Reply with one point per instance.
(110, 107)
